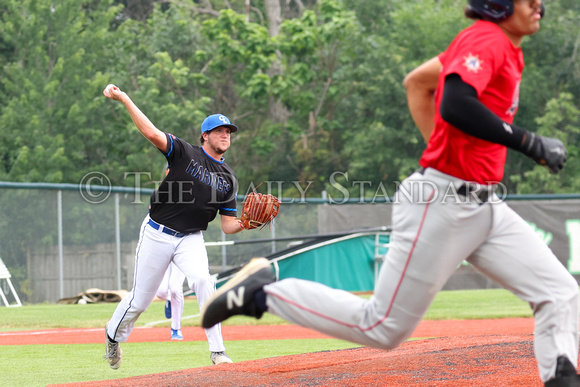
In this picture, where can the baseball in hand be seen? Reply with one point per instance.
(108, 92)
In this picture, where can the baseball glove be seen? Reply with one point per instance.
(258, 210)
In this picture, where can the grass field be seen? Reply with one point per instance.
(39, 365)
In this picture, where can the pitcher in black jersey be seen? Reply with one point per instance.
(199, 185)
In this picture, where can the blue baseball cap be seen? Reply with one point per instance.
(216, 120)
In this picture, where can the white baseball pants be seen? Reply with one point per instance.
(429, 241)
(171, 289)
(155, 251)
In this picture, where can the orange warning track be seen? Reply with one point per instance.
(269, 332)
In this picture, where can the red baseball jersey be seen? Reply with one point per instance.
(487, 60)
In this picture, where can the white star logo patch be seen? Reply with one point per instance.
(508, 128)
(473, 63)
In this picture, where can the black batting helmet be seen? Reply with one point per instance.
(495, 10)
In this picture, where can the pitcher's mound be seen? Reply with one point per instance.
(496, 360)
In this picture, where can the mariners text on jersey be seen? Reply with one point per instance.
(196, 188)
(201, 173)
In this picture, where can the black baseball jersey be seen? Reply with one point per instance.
(195, 189)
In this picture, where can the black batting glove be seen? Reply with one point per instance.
(546, 151)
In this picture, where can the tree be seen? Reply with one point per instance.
(49, 88)
(322, 96)
(562, 121)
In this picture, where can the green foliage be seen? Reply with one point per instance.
(47, 88)
(324, 96)
(317, 49)
(240, 47)
(562, 121)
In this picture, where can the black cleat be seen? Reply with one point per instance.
(566, 375)
(237, 295)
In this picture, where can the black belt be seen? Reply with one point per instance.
(166, 230)
(483, 194)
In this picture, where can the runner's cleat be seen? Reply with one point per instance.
(237, 295)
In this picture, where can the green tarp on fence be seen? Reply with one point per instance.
(347, 264)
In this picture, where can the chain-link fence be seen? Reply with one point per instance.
(59, 240)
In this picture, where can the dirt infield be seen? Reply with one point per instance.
(449, 353)
(459, 361)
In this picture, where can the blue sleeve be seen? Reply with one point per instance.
(173, 143)
(228, 208)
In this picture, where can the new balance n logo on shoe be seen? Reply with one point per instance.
(237, 295)
(236, 299)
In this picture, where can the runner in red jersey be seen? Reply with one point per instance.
(447, 212)
(475, 55)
